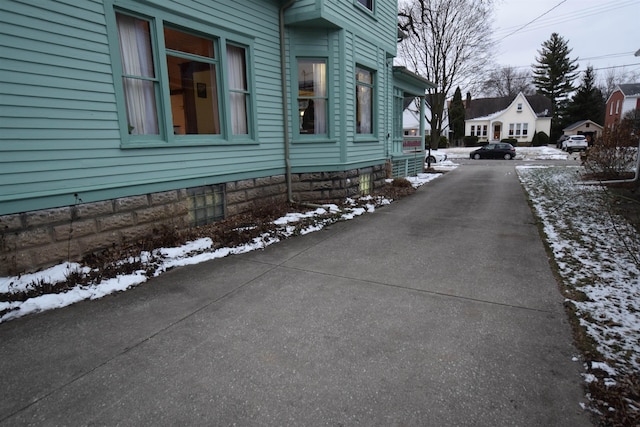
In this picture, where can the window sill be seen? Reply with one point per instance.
(185, 143)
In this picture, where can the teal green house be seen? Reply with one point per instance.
(119, 115)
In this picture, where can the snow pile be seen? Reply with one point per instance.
(597, 255)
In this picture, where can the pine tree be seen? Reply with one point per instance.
(553, 76)
(588, 103)
(456, 115)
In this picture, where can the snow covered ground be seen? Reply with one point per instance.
(595, 251)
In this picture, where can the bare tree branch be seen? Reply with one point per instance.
(449, 44)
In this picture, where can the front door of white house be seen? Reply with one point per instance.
(496, 131)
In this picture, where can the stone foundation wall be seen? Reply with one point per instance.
(34, 240)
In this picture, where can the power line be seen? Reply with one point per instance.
(610, 55)
(569, 17)
(616, 66)
(531, 22)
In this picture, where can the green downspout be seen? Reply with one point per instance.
(285, 100)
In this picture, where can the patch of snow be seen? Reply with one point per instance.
(596, 252)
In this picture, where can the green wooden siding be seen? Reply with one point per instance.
(60, 131)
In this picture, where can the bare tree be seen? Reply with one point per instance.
(508, 81)
(448, 43)
(615, 76)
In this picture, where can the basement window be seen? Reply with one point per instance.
(206, 204)
(365, 184)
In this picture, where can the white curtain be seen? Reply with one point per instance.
(237, 89)
(320, 91)
(135, 53)
(365, 109)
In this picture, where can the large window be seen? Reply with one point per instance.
(312, 95)
(190, 98)
(518, 129)
(364, 101)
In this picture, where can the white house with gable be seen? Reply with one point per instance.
(519, 117)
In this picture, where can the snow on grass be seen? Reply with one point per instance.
(597, 255)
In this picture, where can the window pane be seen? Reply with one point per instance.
(312, 95)
(367, 3)
(140, 102)
(139, 83)
(364, 101)
(135, 46)
(193, 85)
(183, 42)
(364, 76)
(236, 64)
(364, 111)
(312, 79)
(194, 96)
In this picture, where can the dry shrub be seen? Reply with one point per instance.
(614, 155)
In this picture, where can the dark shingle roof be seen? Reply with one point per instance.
(630, 89)
(482, 107)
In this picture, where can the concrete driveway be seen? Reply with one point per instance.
(438, 310)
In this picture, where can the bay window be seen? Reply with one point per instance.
(191, 100)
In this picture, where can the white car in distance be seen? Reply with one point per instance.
(575, 143)
(434, 157)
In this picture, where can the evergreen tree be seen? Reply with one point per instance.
(588, 103)
(456, 115)
(553, 77)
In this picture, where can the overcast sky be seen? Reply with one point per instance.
(602, 33)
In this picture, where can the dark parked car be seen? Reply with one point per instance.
(561, 140)
(500, 150)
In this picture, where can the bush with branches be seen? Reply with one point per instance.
(614, 155)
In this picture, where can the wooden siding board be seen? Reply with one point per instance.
(52, 105)
(43, 81)
(27, 16)
(62, 70)
(64, 47)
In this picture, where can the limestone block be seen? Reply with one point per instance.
(48, 216)
(74, 229)
(131, 203)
